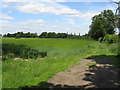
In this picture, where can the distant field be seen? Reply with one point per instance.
(61, 54)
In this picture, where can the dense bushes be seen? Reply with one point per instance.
(21, 51)
(109, 39)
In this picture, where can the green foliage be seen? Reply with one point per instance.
(110, 38)
(21, 35)
(102, 24)
(12, 51)
(58, 35)
(91, 64)
(44, 35)
(17, 36)
(113, 48)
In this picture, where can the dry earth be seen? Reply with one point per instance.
(103, 75)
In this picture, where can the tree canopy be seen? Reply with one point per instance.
(102, 24)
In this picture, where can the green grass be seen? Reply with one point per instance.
(91, 64)
(61, 54)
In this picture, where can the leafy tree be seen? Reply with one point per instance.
(28, 35)
(18, 36)
(33, 35)
(52, 35)
(43, 35)
(9, 35)
(62, 35)
(4, 35)
(102, 24)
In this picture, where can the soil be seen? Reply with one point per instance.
(102, 75)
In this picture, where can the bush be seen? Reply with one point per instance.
(113, 48)
(110, 39)
(12, 51)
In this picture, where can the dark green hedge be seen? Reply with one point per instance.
(22, 51)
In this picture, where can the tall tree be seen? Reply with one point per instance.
(102, 24)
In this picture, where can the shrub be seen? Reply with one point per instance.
(110, 39)
(113, 48)
(12, 51)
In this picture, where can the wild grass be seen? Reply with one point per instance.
(61, 54)
(21, 51)
(91, 64)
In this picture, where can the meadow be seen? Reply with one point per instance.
(61, 54)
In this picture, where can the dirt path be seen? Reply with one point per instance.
(103, 75)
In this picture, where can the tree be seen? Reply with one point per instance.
(52, 35)
(9, 35)
(43, 35)
(18, 36)
(102, 24)
(33, 35)
(62, 35)
(27, 35)
(4, 35)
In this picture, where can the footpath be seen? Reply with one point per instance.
(102, 75)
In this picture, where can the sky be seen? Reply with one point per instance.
(37, 16)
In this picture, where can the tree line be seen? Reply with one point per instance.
(21, 35)
(45, 35)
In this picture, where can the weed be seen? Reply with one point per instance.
(91, 64)
(22, 51)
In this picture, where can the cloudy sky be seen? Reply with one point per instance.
(51, 15)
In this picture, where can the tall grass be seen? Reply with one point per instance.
(61, 54)
(21, 51)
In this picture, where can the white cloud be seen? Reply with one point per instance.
(70, 21)
(13, 0)
(34, 0)
(85, 15)
(88, 15)
(4, 6)
(31, 24)
(4, 21)
(26, 26)
(5, 16)
(40, 26)
(9, 11)
(57, 0)
(53, 8)
(39, 21)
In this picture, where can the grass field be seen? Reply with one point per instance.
(61, 54)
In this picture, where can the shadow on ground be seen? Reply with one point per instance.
(103, 75)
(46, 85)
(106, 59)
